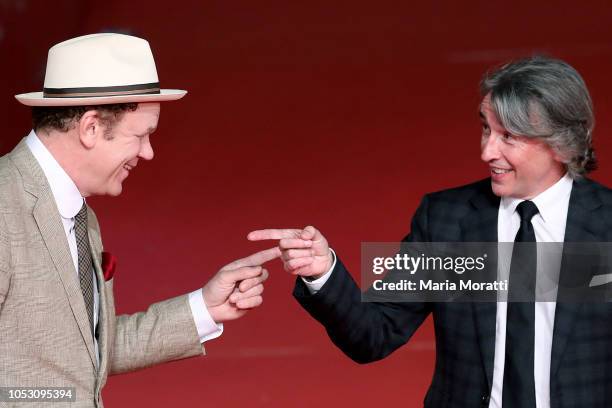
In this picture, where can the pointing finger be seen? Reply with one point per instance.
(232, 276)
(260, 235)
(257, 258)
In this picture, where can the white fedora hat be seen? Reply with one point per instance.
(100, 69)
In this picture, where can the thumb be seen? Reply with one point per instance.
(309, 233)
(319, 243)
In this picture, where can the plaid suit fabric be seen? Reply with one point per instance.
(45, 331)
(581, 360)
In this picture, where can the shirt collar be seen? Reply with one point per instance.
(546, 201)
(67, 196)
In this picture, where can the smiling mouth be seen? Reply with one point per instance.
(495, 170)
(128, 167)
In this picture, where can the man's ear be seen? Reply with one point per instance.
(90, 129)
(560, 156)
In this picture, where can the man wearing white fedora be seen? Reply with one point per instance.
(59, 336)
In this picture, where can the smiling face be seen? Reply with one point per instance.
(520, 166)
(112, 159)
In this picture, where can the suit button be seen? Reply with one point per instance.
(484, 400)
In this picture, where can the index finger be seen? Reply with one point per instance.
(256, 259)
(260, 235)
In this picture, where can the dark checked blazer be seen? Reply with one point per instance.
(581, 365)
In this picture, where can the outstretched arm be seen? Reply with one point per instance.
(166, 331)
(364, 331)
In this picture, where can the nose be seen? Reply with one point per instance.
(489, 149)
(146, 150)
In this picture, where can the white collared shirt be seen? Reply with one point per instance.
(69, 201)
(549, 226)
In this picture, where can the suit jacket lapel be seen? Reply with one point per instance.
(480, 225)
(582, 225)
(49, 223)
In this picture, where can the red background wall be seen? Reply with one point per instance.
(336, 114)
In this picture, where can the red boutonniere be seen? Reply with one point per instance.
(109, 263)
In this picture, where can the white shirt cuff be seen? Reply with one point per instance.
(206, 326)
(315, 285)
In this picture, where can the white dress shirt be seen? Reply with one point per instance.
(69, 201)
(549, 226)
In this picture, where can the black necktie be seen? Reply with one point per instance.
(85, 262)
(519, 386)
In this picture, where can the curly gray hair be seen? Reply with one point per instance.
(545, 98)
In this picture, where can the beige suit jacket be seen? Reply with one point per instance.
(45, 339)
